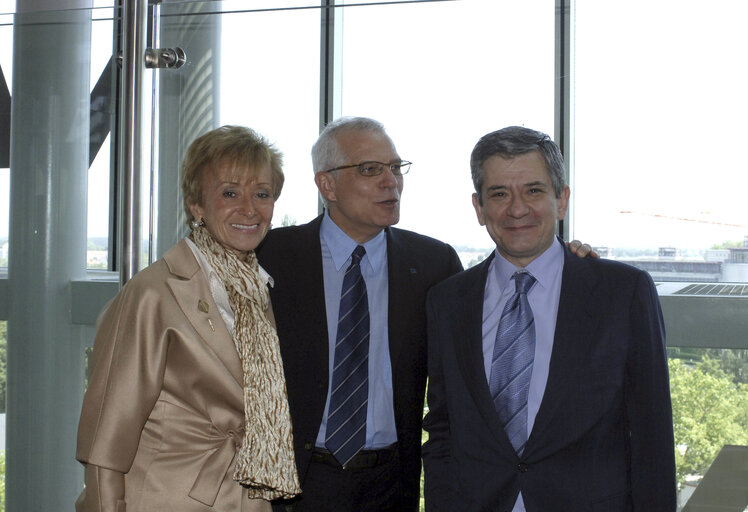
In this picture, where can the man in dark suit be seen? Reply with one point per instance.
(548, 384)
(360, 177)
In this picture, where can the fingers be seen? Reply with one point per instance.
(582, 250)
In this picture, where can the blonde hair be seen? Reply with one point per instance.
(237, 147)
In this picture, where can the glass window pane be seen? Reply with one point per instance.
(659, 170)
(4, 210)
(99, 172)
(270, 82)
(250, 66)
(659, 180)
(6, 66)
(709, 389)
(438, 86)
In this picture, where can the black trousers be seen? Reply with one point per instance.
(330, 488)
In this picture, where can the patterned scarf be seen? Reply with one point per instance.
(265, 462)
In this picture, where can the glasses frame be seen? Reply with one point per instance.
(395, 168)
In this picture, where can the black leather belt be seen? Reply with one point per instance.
(364, 459)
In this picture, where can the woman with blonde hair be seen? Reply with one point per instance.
(186, 408)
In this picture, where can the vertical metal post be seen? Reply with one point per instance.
(154, 41)
(330, 67)
(131, 137)
(564, 98)
(327, 61)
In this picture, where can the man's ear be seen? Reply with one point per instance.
(478, 210)
(327, 185)
(562, 203)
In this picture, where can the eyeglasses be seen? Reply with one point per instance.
(376, 168)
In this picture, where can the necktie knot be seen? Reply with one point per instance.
(357, 255)
(523, 281)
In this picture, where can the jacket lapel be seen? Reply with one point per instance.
(469, 304)
(311, 282)
(192, 292)
(401, 270)
(577, 318)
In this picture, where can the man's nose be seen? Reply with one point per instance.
(388, 178)
(518, 206)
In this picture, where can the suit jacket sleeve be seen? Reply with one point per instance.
(128, 364)
(648, 407)
(438, 477)
(104, 492)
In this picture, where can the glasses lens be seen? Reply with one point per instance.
(370, 168)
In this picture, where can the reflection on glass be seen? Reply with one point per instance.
(658, 178)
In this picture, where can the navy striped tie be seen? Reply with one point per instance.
(346, 418)
(511, 365)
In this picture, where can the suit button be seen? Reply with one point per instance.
(522, 467)
(307, 446)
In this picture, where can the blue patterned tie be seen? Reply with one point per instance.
(511, 365)
(346, 418)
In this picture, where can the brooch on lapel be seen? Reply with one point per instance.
(205, 308)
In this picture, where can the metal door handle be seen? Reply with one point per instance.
(171, 58)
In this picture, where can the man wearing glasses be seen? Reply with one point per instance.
(349, 300)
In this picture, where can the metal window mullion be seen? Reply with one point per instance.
(131, 117)
(563, 98)
(331, 51)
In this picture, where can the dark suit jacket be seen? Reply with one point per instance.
(415, 262)
(602, 439)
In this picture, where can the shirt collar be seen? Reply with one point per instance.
(341, 245)
(544, 268)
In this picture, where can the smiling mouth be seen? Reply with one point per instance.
(518, 228)
(244, 226)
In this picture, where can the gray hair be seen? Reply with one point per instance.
(514, 141)
(326, 152)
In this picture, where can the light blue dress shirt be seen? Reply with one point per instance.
(336, 257)
(543, 297)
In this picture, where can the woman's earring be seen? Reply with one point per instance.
(197, 223)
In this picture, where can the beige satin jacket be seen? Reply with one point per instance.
(163, 415)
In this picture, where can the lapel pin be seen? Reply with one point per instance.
(211, 325)
(203, 306)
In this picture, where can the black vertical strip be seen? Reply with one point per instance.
(561, 125)
(101, 111)
(327, 60)
(4, 122)
(114, 182)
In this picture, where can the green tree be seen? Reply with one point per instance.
(728, 244)
(709, 411)
(733, 362)
(288, 220)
